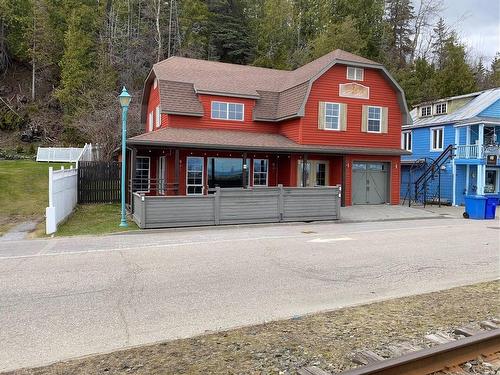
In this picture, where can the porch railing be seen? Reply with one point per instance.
(469, 152)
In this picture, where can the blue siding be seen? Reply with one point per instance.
(421, 138)
(492, 111)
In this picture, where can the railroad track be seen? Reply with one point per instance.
(472, 352)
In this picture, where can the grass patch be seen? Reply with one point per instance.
(24, 187)
(94, 219)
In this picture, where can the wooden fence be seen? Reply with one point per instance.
(99, 181)
(238, 206)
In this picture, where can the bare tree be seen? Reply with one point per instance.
(425, 15)
(157, 4)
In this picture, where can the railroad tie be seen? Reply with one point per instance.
(486, 324)
(312, 370)
(466, 331)
(365, 357)
(403, 348)
(439, 338)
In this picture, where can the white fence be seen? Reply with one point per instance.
(63, 193)
(68, 154)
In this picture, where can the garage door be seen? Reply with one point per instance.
(369, 183)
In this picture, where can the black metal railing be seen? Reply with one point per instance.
(433, 170)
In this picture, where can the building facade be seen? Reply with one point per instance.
(334, 121)
(471, 125)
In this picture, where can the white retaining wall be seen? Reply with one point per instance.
(63, 193)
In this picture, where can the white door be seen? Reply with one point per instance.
(161, 175)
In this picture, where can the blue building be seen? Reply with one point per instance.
(455, 145)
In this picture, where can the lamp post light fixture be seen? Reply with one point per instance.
(124, 103)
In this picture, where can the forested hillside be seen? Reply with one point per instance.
(62, 62)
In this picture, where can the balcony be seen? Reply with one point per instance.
(476, 152)
(469, 152)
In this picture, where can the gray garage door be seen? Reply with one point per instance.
(369, 183)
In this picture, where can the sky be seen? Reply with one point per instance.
(477, 22)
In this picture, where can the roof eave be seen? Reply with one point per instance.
(291, 149)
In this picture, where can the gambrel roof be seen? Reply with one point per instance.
(279, 94)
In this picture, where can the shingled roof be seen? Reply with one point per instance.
(279, 94)
(217, 139)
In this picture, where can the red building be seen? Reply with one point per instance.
(336, 120)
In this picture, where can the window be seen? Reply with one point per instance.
(426, 111)
(227, 111)
(355, 74)
(440, 108)
(321, 174)
(227, 172)
(260, 172)
(406, 141)
(150, 121)
(437, 140)
(141, 182)
(155, 83)
(194, 175)
(158, 117)
(491, 181)
(332, 116)
(374, 119)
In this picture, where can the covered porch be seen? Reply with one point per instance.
(476, 164)
(185, 162)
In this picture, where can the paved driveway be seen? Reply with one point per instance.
(69, 297)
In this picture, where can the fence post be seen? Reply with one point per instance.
(281, 203)
(217, 205)
(339, 201)
(143, 212)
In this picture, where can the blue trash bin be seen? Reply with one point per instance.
(475, 207)
(491, 205)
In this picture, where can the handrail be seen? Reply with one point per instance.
(445, 155)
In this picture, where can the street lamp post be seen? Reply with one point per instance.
(124, 102)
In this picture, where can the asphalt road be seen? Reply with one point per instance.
(62, 298)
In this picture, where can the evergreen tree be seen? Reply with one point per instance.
(230, 31)
(398, 41)
(494, 79)
(456, 77)
(441, 36)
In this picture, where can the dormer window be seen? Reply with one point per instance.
(441, 108)
(355, 74)
(426, 111)
(227, 111)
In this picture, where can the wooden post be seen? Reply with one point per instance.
(217, 205)
(244, 171)
(177, 171)
(281, 203)
(304, 168)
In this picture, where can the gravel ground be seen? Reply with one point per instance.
(326, 339)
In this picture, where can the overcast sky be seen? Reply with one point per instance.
(477, 23)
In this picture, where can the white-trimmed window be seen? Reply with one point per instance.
(155, 83)
(228, 111)
(355, 74)
(441, 108)
(158, 117)
(374, 119)
(194, 175)
(437, 139)
(426, 111)
(142, 174)
(406, 140)
(151, 121)
(332, 116)
(260, 172)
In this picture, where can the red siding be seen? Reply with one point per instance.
(291, 129)
(207, 122)
(326, 88)
(154, 101)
